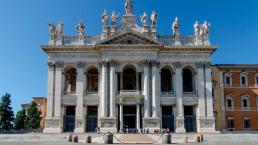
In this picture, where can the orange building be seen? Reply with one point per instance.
(42, 104)
(236, 97)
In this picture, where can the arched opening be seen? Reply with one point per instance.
(70, 81)
(129, 79)
(166, 80)
(187, 80)
(92, 80)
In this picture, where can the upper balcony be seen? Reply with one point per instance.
(129, 93)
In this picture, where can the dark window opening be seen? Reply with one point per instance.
(166, 80)
(187, 80)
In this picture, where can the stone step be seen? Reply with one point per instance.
(135, 138)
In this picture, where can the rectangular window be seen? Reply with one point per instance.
(247, 123)
(256, 78)
(243, 81)
(245, 103)
(231, 124)
(229, 103)
(228, 82)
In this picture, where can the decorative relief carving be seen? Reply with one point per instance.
(151, 122)
(178, 65)
(107, 123)
(207, 123)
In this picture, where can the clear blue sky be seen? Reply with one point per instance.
(24, 27)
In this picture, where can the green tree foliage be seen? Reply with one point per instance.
(32, 119)
(20, 120)
(6, 113)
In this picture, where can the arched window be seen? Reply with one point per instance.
(92, 80)
(188, 82)
(228, 79)
(70, 81)
(245, 102)
(129, 79)
(166, 80)
(229, 102)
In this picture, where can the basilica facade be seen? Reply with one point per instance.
(129, 77)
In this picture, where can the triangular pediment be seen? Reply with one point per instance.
(129, 38)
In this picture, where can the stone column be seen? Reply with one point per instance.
(79, 120)
(209, 90)
(58, 94)
(201, 100)
(112, 90)
(104, 89)
(138, 117)
(50, 109)
(155, 90)
(180, 128)
(121, 117)
(146, 90)
(50, 98)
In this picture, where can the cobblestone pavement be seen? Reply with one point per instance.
(67, 143)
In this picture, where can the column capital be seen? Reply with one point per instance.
(51, 64)
(178, 65)
(81, 65)
(104, 62)
(112, 62)
(146, 62)
(59, 64)
(154, 63)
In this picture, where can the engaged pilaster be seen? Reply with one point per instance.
(180, 127)
(112, 88)
(79, 120)
(155, 89)
(104, 91)
(146, 89)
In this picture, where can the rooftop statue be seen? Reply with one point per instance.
(206, 28)
(176, 27)
(114, 18)
(154, 17)
(59, 29)
(52, 29)
(197, 29)
(80, 28)
(129, 7)
(105, 18)
(144, 19)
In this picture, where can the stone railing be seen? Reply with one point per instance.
(129, 93)
(170, 40)
(75, 40)
(190, 94)
(168, 94)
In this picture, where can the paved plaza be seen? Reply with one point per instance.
(67, 143)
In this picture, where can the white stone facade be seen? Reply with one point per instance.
(124, 69)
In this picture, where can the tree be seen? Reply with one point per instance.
(32, 119)
(6, 113)
(19, 120)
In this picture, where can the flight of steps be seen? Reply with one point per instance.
(135, 138)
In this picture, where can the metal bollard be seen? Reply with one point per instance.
(108, 138)
(75, 138)
(197, 138)
(70, 138)
(88, 139)
(185, 139)
(202, 138)
(166, 138)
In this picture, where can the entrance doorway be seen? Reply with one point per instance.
(190, 119)
(92, 118)
(69, 119)
(129, 116)
(167, 118)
